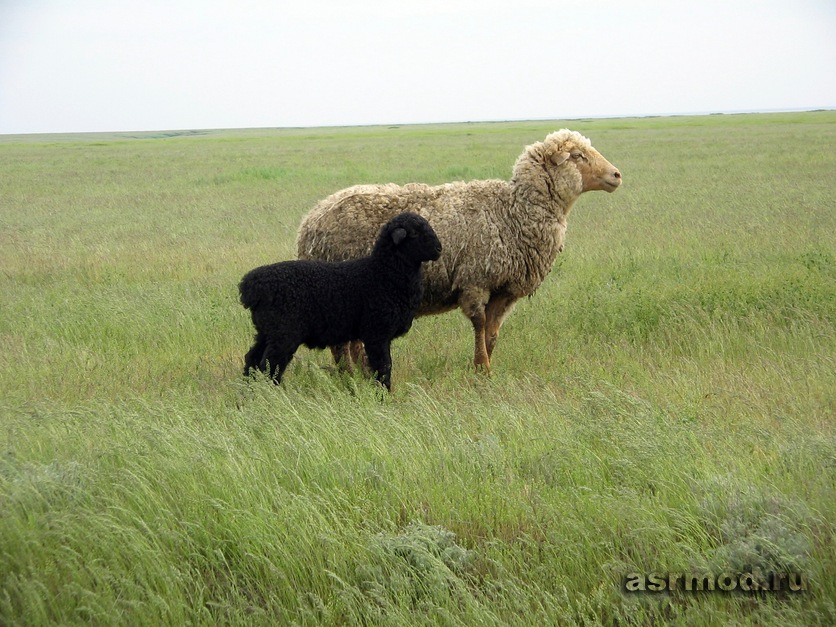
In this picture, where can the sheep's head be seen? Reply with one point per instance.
(570, 162)
(596, 172)
(410, 236)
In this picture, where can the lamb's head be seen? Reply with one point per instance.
(410, 237)
(570, 164)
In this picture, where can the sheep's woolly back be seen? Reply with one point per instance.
(498, 236)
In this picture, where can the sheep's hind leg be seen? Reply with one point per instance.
(496, 311)
(359, 357)
(342, 357)
(347, 355)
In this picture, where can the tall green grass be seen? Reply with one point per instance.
(663, 403)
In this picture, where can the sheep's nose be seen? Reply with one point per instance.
(617, 174)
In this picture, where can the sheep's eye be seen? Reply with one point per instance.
(577, 155)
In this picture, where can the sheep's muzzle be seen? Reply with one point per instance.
(611, 181)
(599, 174)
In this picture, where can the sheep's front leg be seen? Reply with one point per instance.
(380, 362)
(496, 311)
(473, 304)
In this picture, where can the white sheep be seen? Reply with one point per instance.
(500, 238)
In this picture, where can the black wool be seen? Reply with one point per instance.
(320, 303)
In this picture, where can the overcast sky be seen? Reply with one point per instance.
(113, 65)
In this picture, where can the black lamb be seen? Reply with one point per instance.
(322, 303)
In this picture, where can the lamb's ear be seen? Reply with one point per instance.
(398, 235)
(558, 158)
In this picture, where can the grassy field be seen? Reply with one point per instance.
(663, 404)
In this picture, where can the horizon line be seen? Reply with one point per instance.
(399, 124)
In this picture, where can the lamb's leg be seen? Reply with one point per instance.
(278, 355)
(496, 311)
(473, 304)
(255, 355)
(380, 362)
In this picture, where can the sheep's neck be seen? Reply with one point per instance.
(540, 226)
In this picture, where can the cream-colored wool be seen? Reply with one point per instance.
(500, 238)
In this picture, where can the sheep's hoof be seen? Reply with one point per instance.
(484, 369)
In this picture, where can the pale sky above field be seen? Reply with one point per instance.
(112, 65)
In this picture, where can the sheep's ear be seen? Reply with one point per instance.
(559, 157)
(398, 235)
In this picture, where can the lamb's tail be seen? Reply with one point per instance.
(264, 286)
(253, 291)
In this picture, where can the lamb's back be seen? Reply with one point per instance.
(303, 283)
